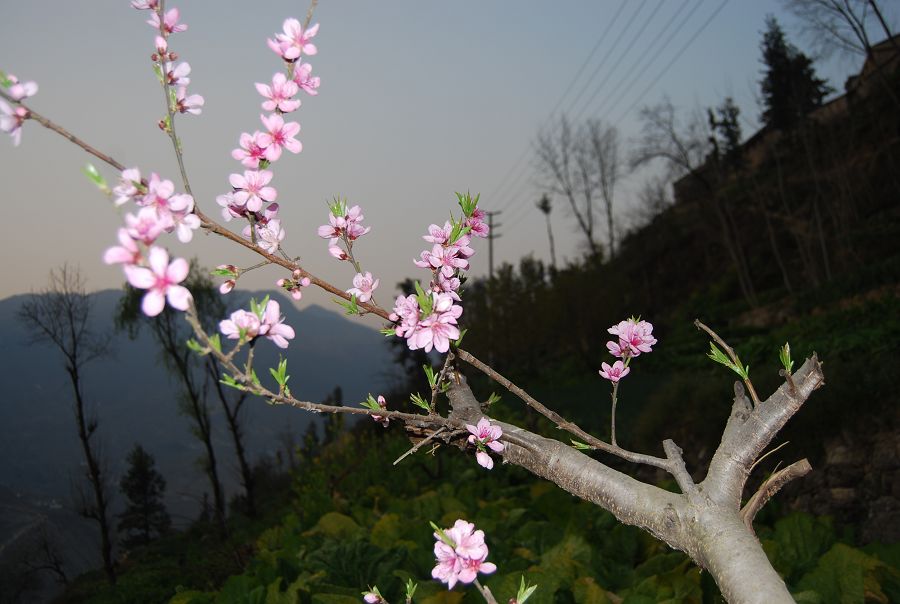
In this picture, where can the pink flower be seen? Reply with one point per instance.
(372, 598)
(170, 21)
(338, 252)
(280, 135)
(161, 281)
(147, 226)
(305, 81)
(240, 320)
(20, 91)
(407, 313)
(273, 327)
(270, 235)
(439, 328)
(445, 259)
(614, 373)
(125, 253)
(479, 227)
(11, 121)
(251, 190)
(191, 104)
(145, 4)
(179, 75)
(462, 556)
(279, 94)
(635, 337)
(294, 41)
(251, 151)
(383, 404)
(485, 435)
(363, 286)
(128, 186)
(438, 235)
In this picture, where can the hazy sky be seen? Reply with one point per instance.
(418, 100)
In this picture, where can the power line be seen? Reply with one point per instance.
(677, 56)
(623, 92)
(569, 88)
(634, 39)
(509, 200)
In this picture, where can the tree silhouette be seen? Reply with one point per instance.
(145, 517)
(60, 315)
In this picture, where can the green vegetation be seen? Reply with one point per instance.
(353, 521)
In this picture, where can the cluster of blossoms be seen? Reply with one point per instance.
(160, 211)
(251, 189)
(429, 318)
(172, 74)
(343, 229)
(12, 118)
(485, 436)
(461, 554)
(262, 319)
(634, 337)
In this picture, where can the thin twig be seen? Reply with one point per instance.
(731, 355)
(435, 390)
(485, 593)
(612, 421)
(561, 422)
(756, 463)
(170, 110)
(419, 445)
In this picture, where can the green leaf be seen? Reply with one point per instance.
(387, 332)
(443, 536)
(493, 398)
(223, 272)
(410, 589)
(581, 446)
(350, 308)
(5, 81)
(215, 343)
(231, 382)
(95, 177)
(524, 592)
(194, 346)
(784, 356)
(719, 357)
(462, 334)
(417, 400)
(429, 373)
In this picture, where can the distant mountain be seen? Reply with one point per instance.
(135, 400)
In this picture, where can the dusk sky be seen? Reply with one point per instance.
(418, 100)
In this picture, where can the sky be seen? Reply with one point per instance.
(418, 100)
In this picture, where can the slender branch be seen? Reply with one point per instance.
(170, 110)
(560, 421)
(612, 420)
(46, 123)
(772, 485)
(731, 354)
(486, 593)
(435, 390)
(419, 445)
(757, 462)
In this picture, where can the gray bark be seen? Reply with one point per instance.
(704, 521)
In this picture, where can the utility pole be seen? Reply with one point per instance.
(491, 236)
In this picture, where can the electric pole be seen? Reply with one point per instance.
(491, 236)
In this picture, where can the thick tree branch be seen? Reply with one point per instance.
(749, 432)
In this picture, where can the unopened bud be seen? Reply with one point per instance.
(162, 125)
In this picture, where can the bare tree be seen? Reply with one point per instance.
(60, 315)
(603, 145)
(685, 149)
(844, 26)
(544, 206)
(564, 164)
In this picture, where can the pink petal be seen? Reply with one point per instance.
(153, 303)
(179, 297)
